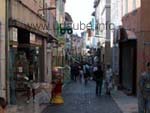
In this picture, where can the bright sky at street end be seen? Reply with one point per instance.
(80, 10)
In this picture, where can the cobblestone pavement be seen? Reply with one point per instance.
(82, 99)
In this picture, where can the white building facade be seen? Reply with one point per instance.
(102, 15)
(116, 15)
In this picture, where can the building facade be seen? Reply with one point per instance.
(60, 18)
(68, 38)
(27, 31)
(102, 15)
(116, 16)
(2, 48)
(134, 42)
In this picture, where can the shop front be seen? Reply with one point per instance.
(26, 63)
(127, 62)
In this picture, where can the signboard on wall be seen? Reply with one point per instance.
(14, 36)
(32, 38)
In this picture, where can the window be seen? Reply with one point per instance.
(134, 4)
(126, 6)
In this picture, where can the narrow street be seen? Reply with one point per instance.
(82, 99)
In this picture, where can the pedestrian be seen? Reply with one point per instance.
(91, 72)
(108, 80)
(144, 91)
(81, 74)
(86, 73)
(98, 75)
(74, 71)
(3, 105)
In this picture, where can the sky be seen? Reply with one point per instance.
(80, 10)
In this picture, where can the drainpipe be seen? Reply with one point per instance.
(7, 50)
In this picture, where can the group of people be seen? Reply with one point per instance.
(97, 72)
(81, 71)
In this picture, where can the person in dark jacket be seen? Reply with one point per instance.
(98, 73)
(86, 69)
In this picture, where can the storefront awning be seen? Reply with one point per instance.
(125, 34)
(17, 24)
(52, 38)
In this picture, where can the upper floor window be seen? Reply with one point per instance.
(134, 4)
(126, 6)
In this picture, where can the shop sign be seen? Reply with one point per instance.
(14, 34)
(32, 38)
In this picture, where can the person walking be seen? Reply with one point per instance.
(98, 73)
(81, 73)
(108, 80)
(144, 91)
(86, 73)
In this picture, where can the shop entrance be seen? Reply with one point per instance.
(25, 63)
(128, 66)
